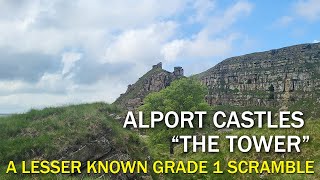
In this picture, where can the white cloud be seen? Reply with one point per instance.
(7, 87)
(69, 59)
(230, 16)
(206, 43)
(200, 47)
(140, 44)
(23, 98)
(205, 47)
(309, 9)
(51, 26)
(284, 21)
(77, 30)
(97, 47)
(173, 49)
(203, 9)
(315, 41)
(302, 9)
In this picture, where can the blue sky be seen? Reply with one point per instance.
(56, 52)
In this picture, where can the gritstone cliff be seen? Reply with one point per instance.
(272, 78)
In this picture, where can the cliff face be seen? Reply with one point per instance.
(153, 81)
(276, 78)
(271, 78)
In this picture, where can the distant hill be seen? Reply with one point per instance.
(5, 115)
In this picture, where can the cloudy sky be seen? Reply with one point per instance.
(57, 52)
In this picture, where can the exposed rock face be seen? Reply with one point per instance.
(153, 81)
(98, 150)
(102, 147)
(271, 78)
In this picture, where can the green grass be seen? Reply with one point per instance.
(309, 106)
(309, 151)
(41, 134)
(44, 134)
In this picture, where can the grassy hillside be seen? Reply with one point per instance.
(48, 133)
(309, 151)
(53, 132)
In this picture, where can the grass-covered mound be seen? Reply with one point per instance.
(51, 133)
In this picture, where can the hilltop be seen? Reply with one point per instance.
(85, 132)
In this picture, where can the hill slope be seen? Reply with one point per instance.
(78, 132)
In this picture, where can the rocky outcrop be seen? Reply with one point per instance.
(103, 147)
(100, 149)
(271, 78)
(153, 81)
